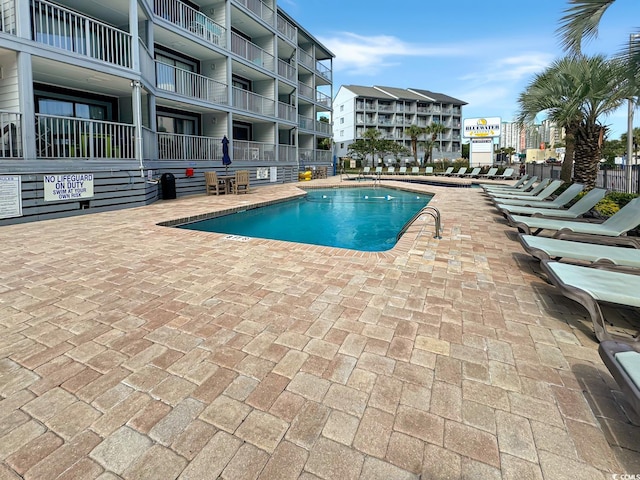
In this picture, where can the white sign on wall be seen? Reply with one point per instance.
(481, 127)
(10, 196)
(70, 186)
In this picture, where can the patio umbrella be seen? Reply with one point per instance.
(226, 159)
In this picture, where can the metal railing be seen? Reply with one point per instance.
(259, 9)
(190, 19)
(10, 134)
(251, 52)
(305, 90)
(286, 112)
(61, 28)
(255, 151)
(323, 99)
(428, 210)
(190, 84)
(286, 70)
(287, 153)
(305, 59)
(323, 127)
(288, 30)
(173, 146)
(8, 17)
(323, 71)
(64, 137)
(305, 123)
(613, 178)
(252, 102)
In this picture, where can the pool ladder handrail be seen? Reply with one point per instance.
(429, 210)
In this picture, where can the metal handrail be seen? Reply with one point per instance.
(429, 210)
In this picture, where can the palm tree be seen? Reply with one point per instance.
(576, 92)
(414, 132)
(434, 130)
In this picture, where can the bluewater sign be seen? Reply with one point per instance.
(70, 186)
(10, 196)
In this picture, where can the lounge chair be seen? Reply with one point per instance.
(415, 170)
(560, 201)
(241, 182)
(490, 173)
(391, 170)
(623, 362)
(447, 172)
(592, 287)
(611, 231)
(509, 174)
(213, 183)
(402, 171)
(521, 185)
(378, 171)
(541, 191)
(545, 248)
(366, 171)
(474, 173)
(577, 210)
(460, 173)
(429, 170)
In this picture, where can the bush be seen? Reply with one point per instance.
(606, 207)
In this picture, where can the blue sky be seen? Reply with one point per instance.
(484, 53)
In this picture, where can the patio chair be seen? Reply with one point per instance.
(415, 170)
(452, 173)
(555, 207)
(429, 170)
(509, 174)
(461, 172)
(474, 173)
(402, 171)
(365, 170)
(391, 170)
(545, 248)
(508, 205)
(623, 362)
(213, 184)
(610, 231)
(594, 287)
(521, 185)
(446, 172)
(378, 171)
(490, 173)
(241, 182)
(541, 191)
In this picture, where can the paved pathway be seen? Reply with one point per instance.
(130, 350)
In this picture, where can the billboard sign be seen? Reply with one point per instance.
(488, 127)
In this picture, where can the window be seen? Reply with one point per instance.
(242, 131)
(342, 108)
(342, 121)
(173, 73)
(342, 145)
(342, 133)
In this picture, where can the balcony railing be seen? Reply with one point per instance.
(323, 99)
(184, 82)
(287, 153)
(62, 28)
(64, 137)
(288, 30)
(172, 146)
(305, 59)
(251, 52)
(323, 156)
(259, 9)
(323, 71)
(286, 70)
(323, 127)
(253, 151)
(192, 20)
(286, 112)
(305, 155)
(305, 123)
(10, 134)
(305, 90)
(8, 17)
(252, 102)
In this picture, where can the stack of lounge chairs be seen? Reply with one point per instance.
(588, 260)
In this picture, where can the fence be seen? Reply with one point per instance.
(612, 177)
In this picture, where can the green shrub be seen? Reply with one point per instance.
(621, 198)
(606, 207)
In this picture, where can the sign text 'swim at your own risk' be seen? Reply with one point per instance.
(71, 186)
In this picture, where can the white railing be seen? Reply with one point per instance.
(323, 71)
(252, 102)
(287, 153)
(305, 155)
(62, 28)
(286, 70)
(286, 112)
(190, 19)
(305, 59)
(323, 127)
(253, 151)
(147, 63)
(8, 17)
(64, 137)
(251, 52)
(323, 156)
(323, 99)
(259, 9)
(172, 146)
(10, 134)
(184, 82)
(305, 90)
(288, 30)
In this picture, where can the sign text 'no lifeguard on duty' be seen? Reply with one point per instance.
(70, 186)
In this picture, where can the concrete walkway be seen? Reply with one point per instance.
(135, 351)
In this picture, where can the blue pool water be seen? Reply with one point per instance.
(366, 219)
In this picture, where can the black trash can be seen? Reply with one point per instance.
(168, 183)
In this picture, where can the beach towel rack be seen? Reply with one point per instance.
(432, 211)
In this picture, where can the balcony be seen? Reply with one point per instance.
(190, 19)
(324, 71)
(172, 146)
(305, 59)
(323, 99)
(305, 123)
(305, 90)
(65, 29)
(10, 134)
(8, 17)
(252, 102)
(286, 112)
(323, 127)
(251, 52)
(287, 71)
(288, 31)
(287, 153)
(253, 151)
(189, 84)
(64, 137)
(259, 9)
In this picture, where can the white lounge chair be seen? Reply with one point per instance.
(391, 170)
(461, 172)
(540, 192)
(429, 170)
(560, 201)
(577, 210)
(623, 362)
(474, 173)
(447, 172)
(402, 171)
(415, 170)
(490, 174)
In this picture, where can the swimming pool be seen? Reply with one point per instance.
(365, 219)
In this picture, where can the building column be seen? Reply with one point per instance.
(26, 103)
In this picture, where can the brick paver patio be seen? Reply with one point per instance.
(134, 351)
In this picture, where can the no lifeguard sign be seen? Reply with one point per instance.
(70, 186)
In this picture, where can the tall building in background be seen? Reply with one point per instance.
(391, 110)
(530, 136)
(124, 93)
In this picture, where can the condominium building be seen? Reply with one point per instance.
(121, 94)
(391, 111)
(530, 136)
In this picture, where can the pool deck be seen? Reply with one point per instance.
(135, 351)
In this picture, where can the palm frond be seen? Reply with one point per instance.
(580, 21)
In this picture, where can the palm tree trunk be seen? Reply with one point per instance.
(587, 154)
(567, 163)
